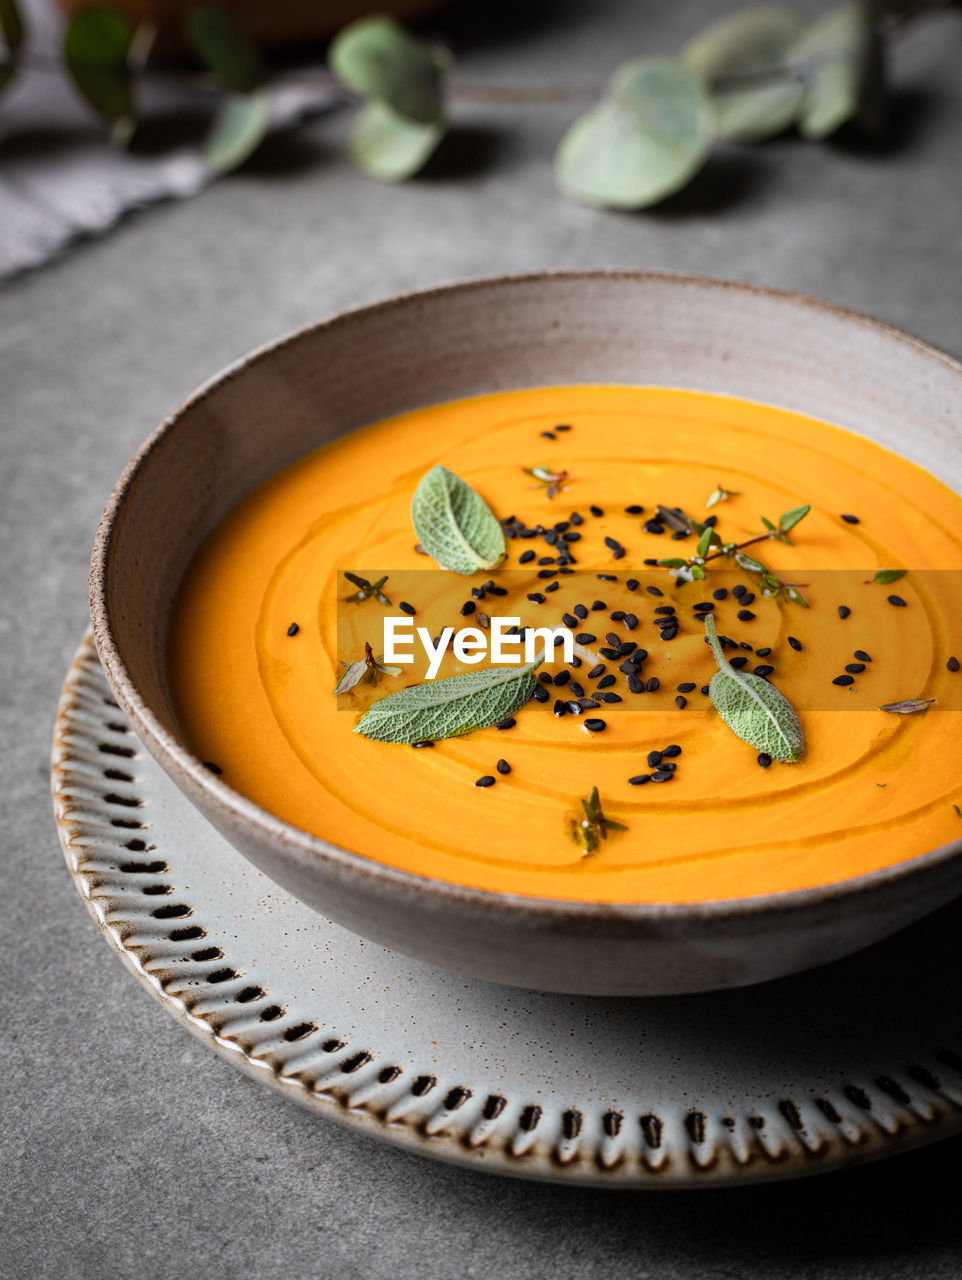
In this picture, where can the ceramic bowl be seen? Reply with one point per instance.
(489, 335)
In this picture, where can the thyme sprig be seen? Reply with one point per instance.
(552, 480)
(712, 547)
(590, 830)
(367, 666)
(366, 590)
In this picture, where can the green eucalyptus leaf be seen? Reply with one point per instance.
(744, 60)
(455, 525)
(228, 51)
(378, 59)
(95, 48)
(843, 56)
(646, 139)
(753, 709)
(450, 707)
(237, 131)
(389, 146)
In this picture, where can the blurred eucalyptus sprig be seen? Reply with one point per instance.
(748, 76)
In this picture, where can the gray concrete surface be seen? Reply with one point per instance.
(127, 1149)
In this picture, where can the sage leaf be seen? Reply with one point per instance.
(95, 46)
(237, 131)
(646, 139)
(229, 52)
(450, 707)
(390, 147)
(908, 706)
(842, 56)
(455, 525)
(744, 60)
(378, 59)
(753, 709)
(888, 575)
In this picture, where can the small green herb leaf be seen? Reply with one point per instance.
(908, 706)
(455, 525)
(841, 52)
(888, 575)
(366, 590)
(789, 519)
(646, 139)
(237, 131)
(720, 494)
(95, 51)
(743, 59)
(673, 563)
(589, 831)
(753, 709)
(388, 146)
(368, 665)
(450, 707)
(378, 59)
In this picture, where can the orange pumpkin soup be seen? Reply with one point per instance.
(260, 630)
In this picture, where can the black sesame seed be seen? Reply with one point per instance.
(653, 684)
(569, 620)
(554, 586)
(495, 591)
(653, 526)
(619, 554)
(762, 670)
(721, 593)
(596, 511)
(796, 644)
(576, 518)
(634, 510)
(536, 597)
(406, 608)
(669, 633)
(681, 702)
(762, 653)
(662, 775)
(482, 620)
(599, 670)
(897, 601)
(595, 726)
(575, 661)
(764, 759)
(546, 560)
(953, 664)
(626, 647)
(635, 684)
(548, 573)
(744, 615)
(610, 697)
(606, 682)
(574, 706)
(560, 707)
(550, 536)
(844, 680)
(426, 743)
(580, 611)
(585, 637)
(632, 584)
(526, 557)
(547, 435)
(546, 677)
(588, 704)
(855, 668)
(478, 593)
(540, 693)
(214, 768)
(705, 690)
(560, 526)
(650, 560)
(667, 766)
(843, 610)
(612, 638)
(687, 687)
(606, 577)
(566, 571)
(293, 629)
(617, 615)
(850, 519)
(564, 426)
(577, 689)
(739, 590)
(607, 652)
(631, 621)
(748, 598)
(861, 655)
(704, 606)
(639, 780)
(507, 723)
(671, 751)
(596, 605)
(503, 767)
(738, 662)
(665, 608)
(679, 535)
(710, 522)
(486, 781)
(468, 608)
(562, 677)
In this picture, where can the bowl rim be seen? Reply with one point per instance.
(188, 771)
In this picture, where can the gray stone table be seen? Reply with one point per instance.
(129, 1150)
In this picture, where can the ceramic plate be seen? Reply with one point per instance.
(856, 1060)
